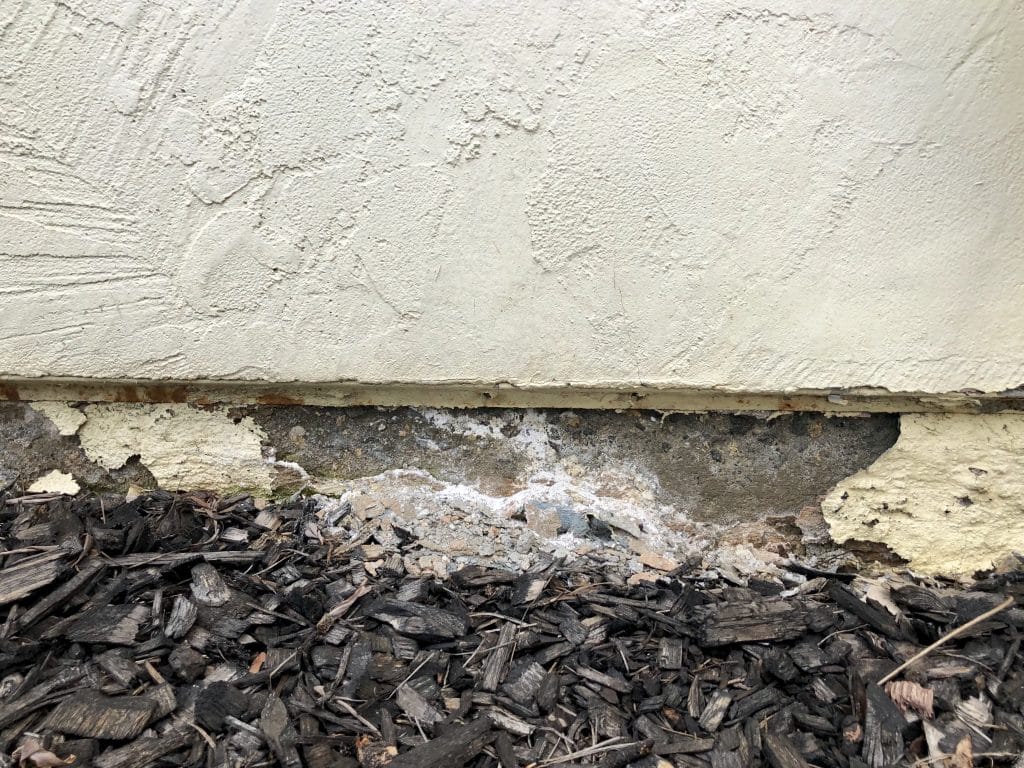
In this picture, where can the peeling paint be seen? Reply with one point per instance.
(948, 496)
(64, 417)
(55, 482)
(183, 447)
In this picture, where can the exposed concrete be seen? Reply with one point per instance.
(656, 488)
(705, 195)
(948, 496)
(709, 468)
(31, 445)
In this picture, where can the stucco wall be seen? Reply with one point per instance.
(786, 194)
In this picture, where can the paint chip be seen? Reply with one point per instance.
(55, 482)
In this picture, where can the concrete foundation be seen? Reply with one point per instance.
(941, 492)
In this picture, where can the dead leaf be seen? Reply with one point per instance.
(963, 756)
(659, 562)
(908, 695)
(30, 754)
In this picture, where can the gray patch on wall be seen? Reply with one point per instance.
(712, 467)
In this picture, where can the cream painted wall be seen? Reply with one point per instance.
(758, 196)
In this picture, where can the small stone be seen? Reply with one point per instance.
(366, 507)
(644, 577)
(550, 520)
(660, 562)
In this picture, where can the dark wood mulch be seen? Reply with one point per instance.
(191, 631)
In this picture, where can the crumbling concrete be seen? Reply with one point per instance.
(646, 489)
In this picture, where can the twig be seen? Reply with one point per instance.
(946, 638)
(599, 748)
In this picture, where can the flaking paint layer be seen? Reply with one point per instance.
(948, 496)
(706, 195)
(183, 447)
(64, 417)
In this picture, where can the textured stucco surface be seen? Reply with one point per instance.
(716, 194)
(948, 496)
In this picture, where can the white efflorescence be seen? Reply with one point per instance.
(787, 195)
(948, 496)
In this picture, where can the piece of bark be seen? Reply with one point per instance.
(756, 701)
(498, 658)
(883, 729)
(228, 620)
(714, 713)
(24, 578)
(452, 749)
(145, 752)
(877, 618)
(416, 707)
(528, 588)
(607, 720)
(119, 664)
(91, 570)
(781, 752)
(420, 621)
(93, 715)
(39, 695)
(163, 698)
(670, 653)
(181, 558)
(279, 733)
(187, 663)
(182, 617)
(111, 624)
(614, 682)
(217, 701)
(509, 722)
(753, 622)
(682, 744)
(208, 586)
(524, 682)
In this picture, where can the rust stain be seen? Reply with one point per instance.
(9, 392)
(159, 393)
(277, 398)
(786, 405)
(126, 394)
